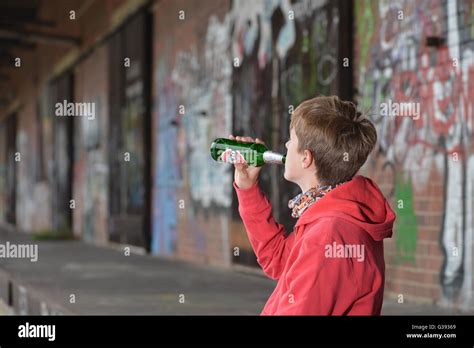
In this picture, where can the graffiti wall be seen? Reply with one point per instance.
(421, 53)
(32, 189)
(241, 67)
(91, 171)
(285, 54)
(192, 106)
(26, 165)
(236, 67)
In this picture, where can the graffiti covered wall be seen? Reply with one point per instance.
(421, 52)
(90, 187)
(192, 106)
(236, 67)
(286, 53)
(32, 187)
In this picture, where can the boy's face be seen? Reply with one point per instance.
(293, 164)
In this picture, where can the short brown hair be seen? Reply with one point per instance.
(339, 137)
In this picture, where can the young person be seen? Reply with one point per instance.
(333, 261)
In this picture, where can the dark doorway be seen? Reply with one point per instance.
(129, 143)
(63, 155)
(11, 162)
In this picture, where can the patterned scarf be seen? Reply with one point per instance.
(304, 200)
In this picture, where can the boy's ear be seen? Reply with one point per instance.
(307, 159)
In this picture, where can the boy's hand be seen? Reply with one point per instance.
(246, 176)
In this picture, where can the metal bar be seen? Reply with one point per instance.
(35, 22)
(39, 37)
(346, 49)
(16, 43)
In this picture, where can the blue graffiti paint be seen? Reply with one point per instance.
(167, 174)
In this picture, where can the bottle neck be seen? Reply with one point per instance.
(272, 157)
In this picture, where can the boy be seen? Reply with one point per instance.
(333, 262)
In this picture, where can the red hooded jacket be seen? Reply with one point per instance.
(333, 262)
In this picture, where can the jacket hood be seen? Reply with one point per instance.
(359, 201)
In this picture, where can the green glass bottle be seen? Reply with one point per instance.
(233, 151)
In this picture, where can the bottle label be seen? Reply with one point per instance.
(233, 157)
(272, 157)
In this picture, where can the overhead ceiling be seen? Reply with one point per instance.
(22, 29)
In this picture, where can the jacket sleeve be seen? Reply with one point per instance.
(267, 237)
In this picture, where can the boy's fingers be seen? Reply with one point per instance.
(245, 139)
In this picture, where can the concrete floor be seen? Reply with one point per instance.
(105, 281)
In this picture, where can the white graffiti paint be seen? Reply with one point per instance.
(286, 38)
(252, 20)
(22, 300)
(31, 214)
(467, 287)
(305, 8)
(204, 88)
(455, 232)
